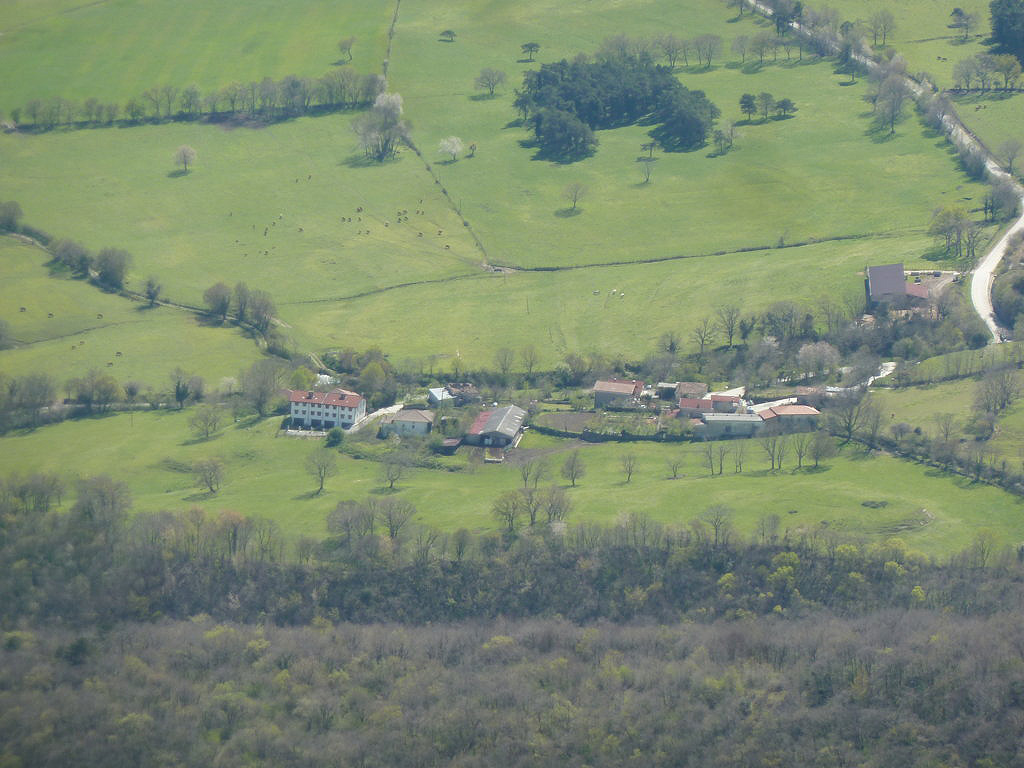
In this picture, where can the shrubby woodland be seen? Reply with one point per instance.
(181, 639)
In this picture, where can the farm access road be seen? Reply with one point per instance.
(964, 139)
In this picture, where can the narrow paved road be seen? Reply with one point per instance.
(960, 137)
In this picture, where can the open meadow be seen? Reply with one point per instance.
(398, 254)
(272, 206)
(91, 329)
(264, 476)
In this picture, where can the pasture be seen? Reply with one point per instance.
(272, 206)
(91, 329)
(117, 49)
(151, 452)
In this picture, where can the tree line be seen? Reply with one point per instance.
(264, 100)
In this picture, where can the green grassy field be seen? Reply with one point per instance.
(89, 328)
(150, 451)
(116, 49)
(809, 177)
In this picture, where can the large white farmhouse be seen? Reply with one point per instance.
(324, 410)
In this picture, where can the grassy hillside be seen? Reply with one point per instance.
(89, 328)
(151, 451)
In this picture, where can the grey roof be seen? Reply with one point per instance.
(887, 280)
(506, 421)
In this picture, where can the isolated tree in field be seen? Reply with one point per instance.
(707, 47)
(532, 472)
(241, 298)
(261, 382)
(528, 355)
(181, 391)
(822, 447)
(489, 79)
(508, 508)
(573, 193)
(882, 24)
(152, 290)
(382, 129)
(261, 310)
(345, 46)
(740, 46)
(447, 35)
(1006, 66)
(218, 300)
(892, 95)
(762, 45)
(765, 102)
(209, 473)
(206, 420)
(628, 463)
(727, 320)
(674, 464)
(111, 267)
(672, 48)
(1008, 152)
(451, 146)
(784, 107)
(321, 464)
(530, 49)
(392, 469)
(573, 468)
(704, 335)
(647, 168)
(504, 358)
(10, 216)
(184, 156)
(748, 105)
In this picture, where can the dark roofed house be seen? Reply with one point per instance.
(887, 284)
(498, 427)
(616, 390)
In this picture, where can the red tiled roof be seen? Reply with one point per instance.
(725, 399)
(479, 423)
(339, 397)
(795, 410)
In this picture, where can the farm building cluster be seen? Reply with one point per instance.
(711, 415)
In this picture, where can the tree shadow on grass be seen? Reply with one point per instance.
(248, 421)
(361, 161)
(382, 491)
(307, 496)
(568, 213)
(483, 96)
(177, 174)
(200, 496)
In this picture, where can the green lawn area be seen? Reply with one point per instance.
(89, 328)
(918, 406)
(933, 512)
(117, 49)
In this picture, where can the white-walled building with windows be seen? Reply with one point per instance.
(324, 410)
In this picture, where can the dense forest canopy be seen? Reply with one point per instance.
(1008, 25)
(619, 86)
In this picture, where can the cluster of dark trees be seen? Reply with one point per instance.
(264, 100)
(764, 103)
(130, 637)
(246, 307)
(564, 102)
(1008, 26)
(984, 72)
